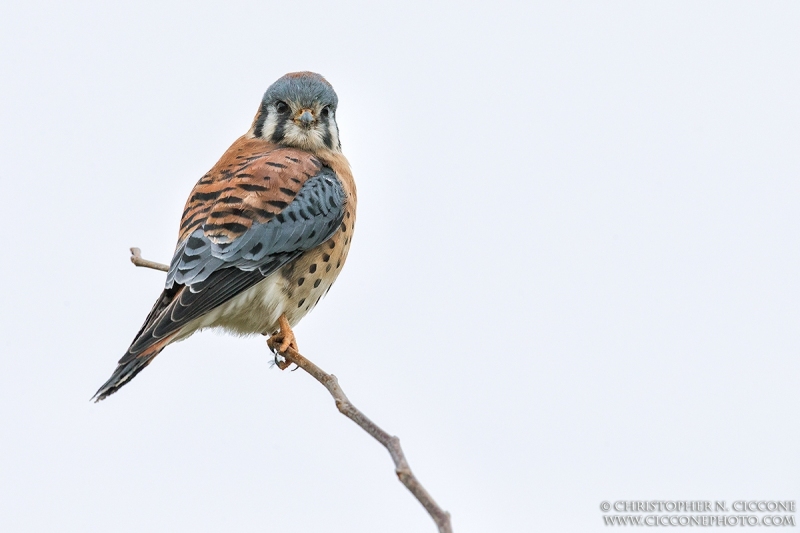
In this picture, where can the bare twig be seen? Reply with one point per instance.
(391, 443)
(136, 259)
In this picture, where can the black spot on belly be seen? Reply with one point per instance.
(328, 268)
(326, 257)
(312, 268)
(316, 283)
(300, 304)
(331, 244)
(300, 281)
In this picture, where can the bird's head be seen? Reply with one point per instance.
(299, 110)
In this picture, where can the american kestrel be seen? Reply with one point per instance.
(264, 233)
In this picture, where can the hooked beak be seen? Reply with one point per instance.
(305, 117)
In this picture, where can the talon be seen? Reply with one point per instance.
(280, 361)
(281, 341)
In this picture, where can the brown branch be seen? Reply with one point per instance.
(391, 443)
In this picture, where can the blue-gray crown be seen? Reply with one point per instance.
(302, 88)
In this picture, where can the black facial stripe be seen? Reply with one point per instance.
(262, 117)
(330, 124)
(327, 137)
(280, 131)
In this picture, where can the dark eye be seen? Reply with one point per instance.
(326, 111)
(281, 107)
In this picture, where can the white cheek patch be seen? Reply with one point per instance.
(334, 133)
(271, 122)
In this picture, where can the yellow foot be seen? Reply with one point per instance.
(282, 341)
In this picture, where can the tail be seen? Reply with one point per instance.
(144, 348)
(172, 317)
(127, 369)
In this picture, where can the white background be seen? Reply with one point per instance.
(574, 277)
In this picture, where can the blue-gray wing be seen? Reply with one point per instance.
(310, 219)
(213, 265)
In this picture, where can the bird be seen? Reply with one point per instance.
(264, 233)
